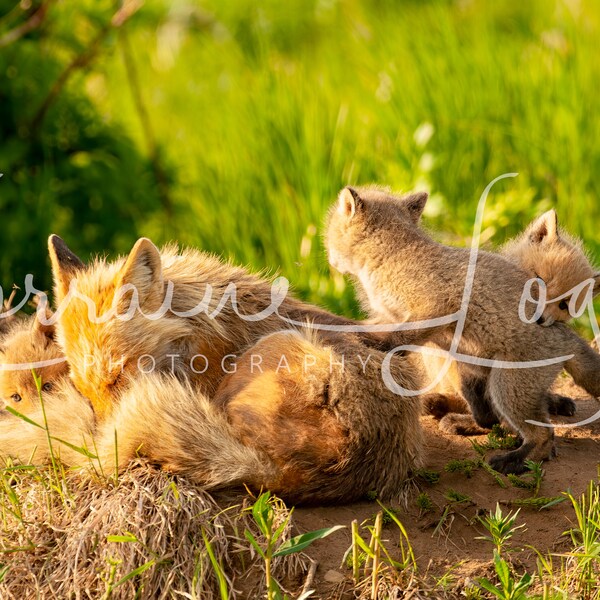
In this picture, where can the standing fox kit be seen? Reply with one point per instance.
(409, 277)
(559, 260)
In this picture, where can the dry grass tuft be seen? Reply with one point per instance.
(139, 539)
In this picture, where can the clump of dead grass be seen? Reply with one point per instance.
(150, 536)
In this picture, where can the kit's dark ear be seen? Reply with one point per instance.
(415, 204)
(544, 228)
(65, 265)
(350, 202)
(46, 314)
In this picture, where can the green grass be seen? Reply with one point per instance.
(261, 112)
(265, 111)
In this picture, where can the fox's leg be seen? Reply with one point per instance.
(584, 367)
(561, 405)
(439, 405)
(475, 390)
(482, 416)
(473, 384)
(453, 412)
(519, 395)
(461, 424)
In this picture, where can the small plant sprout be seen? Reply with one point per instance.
(455, 497)
(508, 588)
(500, 439)
(462, 466)
(534, 478)
(424, 502)
(428, 475)
(271, 547)
(586, 540)
(501, 527)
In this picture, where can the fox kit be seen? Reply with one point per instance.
(102, 352)
(558, 259)
(311, 422)
(27, 345)
(407, 276)
(542, 251)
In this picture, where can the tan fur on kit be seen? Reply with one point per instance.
(542, 251)
(376, 237)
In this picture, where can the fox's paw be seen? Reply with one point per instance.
(561, 405)
(511, 462)
(514, 461)
(460, 425)
(439, 405)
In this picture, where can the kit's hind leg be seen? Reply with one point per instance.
(475, 390)
(520, 396)
(561, 405)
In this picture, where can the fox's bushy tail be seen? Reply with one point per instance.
(176, 426)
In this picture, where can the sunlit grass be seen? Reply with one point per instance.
(265, 111)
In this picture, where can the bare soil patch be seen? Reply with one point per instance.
(455, 544)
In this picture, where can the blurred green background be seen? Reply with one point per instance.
(230, 125)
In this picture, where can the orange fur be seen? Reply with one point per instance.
(303, 426)
(99, 352)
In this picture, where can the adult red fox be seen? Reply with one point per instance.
(167, 311)
(311, 421)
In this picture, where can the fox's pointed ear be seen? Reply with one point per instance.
(415, 204)
(65, 265)
(48, 330)
(544, 228)
(143, 269)
(596, 284)
(350, 202)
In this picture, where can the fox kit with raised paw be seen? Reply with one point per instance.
(542, 251)
(407, 276)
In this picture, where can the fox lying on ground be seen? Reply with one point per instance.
(310, 421)
(376, 237)
(102, 352)
(69, 416)
(541, 251)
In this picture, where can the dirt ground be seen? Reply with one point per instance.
(456, 544)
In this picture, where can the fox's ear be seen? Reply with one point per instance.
(65, 265)
(143, 269)
(349, 202)
(596, 284)
(43, 311)
(544, 228)
(415, 204)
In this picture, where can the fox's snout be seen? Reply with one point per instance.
(546, 321)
